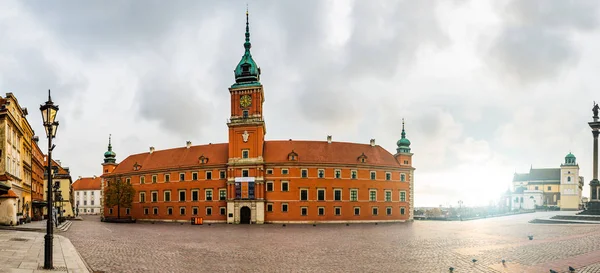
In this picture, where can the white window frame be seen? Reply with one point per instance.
(354, 190)
(371, 199)
(373, 175)
(285, 171)
(388, 176)
(245, 153)
(335, 209)
(319, 211)
(324, 194)
(167, 177)
(336, 172)
(165, 196)
(375, 211)
(269, 171)
(194, 176)
(300, 194)
(386, 192)
(154, 178)
(270, 183)
(180, 209)
(287, 207)
(180, 177)
(302, 209)
(354, 211)
(400, 196)
(197, 195)
(288, 186)
(319, 172)
(206, 175)
(142, 193)
(152, 196)
(402, 177)
(206, 210)
(390, 212)
(212, 196)
(302, 172)
(179, 195)
(354, 174)
(341, 194)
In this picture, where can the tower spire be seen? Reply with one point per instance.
(247, 44)
(403, 132)
(110, 156)
(403, 144)
(247, 71)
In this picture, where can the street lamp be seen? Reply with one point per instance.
(49, 111)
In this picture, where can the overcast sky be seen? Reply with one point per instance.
(487, 88)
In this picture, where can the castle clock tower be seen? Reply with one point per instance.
(245, 172)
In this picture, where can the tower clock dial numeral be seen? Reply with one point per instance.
(245, 101)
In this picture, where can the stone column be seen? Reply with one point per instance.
(594, 184)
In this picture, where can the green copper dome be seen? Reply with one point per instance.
(110, 156)
(570, 159)
(247, 71)
(403, 144)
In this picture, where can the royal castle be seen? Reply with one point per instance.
(252, 180)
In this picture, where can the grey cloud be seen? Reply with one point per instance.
(330, 79)
(173, 104)
(535, 41)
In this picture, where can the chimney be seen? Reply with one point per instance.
(94, 177)
(80, 177)
(329, 139)
(151, 149)
(188, 144)
(373, 142)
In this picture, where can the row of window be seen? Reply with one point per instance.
(337, 193)
(85, 202)
(182, 211)
(208, 195)
(337, 173)
(167, 177)
(337, 211)
(85, 193)
(245, 173)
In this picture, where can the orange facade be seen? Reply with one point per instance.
(251, 180)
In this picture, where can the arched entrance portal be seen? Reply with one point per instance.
(245, 214)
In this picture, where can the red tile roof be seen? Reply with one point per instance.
(176, 158)
(10, 194)
(87, 183)
(276, 151)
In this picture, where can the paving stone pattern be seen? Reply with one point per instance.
(421, 246)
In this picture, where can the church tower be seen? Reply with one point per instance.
(404, 157)
(570, 194)
(109, 164)
(245, 172)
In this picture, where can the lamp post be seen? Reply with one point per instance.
(49, 111)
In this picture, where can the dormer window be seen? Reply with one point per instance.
(202, 159)
(136, 166)
(293, 156)
(362, 158)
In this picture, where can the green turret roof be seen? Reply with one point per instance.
(570, 155)
(110, 156)
(403, 144)
(247, 71)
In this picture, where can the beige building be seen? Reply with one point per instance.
(16, 137)
(549, 187)
(62, 177)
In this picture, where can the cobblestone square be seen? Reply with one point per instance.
(421, 246)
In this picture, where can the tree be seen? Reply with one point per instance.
(120, 194)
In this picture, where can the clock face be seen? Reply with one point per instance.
(245, 101)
